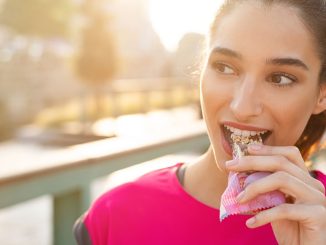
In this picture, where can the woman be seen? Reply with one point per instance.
(265, 73)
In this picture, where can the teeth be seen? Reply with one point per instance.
(238, 132)
(244, 133)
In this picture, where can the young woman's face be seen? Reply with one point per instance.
(261, 75)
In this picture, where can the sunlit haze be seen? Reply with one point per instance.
(171, 19)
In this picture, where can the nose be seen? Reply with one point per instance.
(246, 101)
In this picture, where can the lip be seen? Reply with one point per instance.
(244, 126)
(225, 144)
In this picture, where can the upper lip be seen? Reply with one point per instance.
(244, 126)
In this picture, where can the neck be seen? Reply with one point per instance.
(205, 181)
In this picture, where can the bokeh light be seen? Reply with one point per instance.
(173, 18)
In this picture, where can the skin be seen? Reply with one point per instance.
(242, 82)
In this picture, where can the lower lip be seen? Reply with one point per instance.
(226, 146)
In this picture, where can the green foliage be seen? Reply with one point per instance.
(42, 18)
(96, 61)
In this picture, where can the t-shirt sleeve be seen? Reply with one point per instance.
(80, 232)
(92, 228)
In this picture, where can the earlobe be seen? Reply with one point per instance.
(321, 103)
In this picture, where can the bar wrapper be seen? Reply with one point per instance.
(237, 183)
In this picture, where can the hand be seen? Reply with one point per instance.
(300, 221)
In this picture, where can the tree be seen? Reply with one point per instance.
(96, 62)
(186, 60)
(42, 18)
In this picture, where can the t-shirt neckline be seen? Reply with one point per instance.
(182, 191)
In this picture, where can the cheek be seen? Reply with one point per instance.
(214, 94)
(291, 117)
(212, 99)
(291, 129)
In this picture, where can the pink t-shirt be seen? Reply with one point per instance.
(155, 209)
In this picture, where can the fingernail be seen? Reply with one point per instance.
(251, 221)
(240, 196)
(255, 147)
(231, 162)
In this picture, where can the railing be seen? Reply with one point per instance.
(67, 173)
(143, 95)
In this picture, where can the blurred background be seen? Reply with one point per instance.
(80, 71)
(66, 64)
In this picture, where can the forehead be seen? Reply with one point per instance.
(256, 30)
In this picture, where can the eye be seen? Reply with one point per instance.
(223, 68)
(282, 79)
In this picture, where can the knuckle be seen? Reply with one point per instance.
(247, 159)
(320, 199)
(284, 208)
(259, 217)
(324, 204)
(282, 176)
(320, 186)
(242, 161)
(280, 162)
(250, 189)
(320, 210)
(245, 162)
(294, 150)
(253, 189)
(296, 155)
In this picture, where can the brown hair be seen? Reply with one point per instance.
(313, 14)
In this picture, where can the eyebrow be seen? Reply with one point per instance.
(287, 61)
(226, 51)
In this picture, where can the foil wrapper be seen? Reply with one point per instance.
(237, 182)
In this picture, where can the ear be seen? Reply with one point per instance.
(321, 102)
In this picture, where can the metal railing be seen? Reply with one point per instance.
(67, 173)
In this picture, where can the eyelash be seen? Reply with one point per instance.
(292, 78)
(217, 65)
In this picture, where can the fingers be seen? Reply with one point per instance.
(310, 215)
(273, 164)
(290, 176)
(292, 153)
(285, 183)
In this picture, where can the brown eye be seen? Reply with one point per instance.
(276, 79)
(282, 79)
(223, 69)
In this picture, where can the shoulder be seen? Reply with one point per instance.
(159, 180)
(147, 186)
(141, 194)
